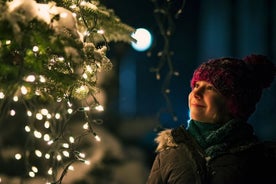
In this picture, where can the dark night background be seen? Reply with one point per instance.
(205, 29)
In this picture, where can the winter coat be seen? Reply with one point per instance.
(180, 160)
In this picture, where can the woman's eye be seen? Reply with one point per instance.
(210, 88)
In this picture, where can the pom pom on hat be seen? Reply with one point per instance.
(264, 69)
(240, 81)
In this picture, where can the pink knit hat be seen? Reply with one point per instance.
(241, 81)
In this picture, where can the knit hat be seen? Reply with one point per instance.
(240, 81)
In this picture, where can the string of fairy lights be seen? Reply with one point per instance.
(165, 15)
(55, 86)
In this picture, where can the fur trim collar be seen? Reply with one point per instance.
(165, 140)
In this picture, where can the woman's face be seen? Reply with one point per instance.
(207, 105)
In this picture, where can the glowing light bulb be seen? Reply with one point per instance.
(59, 157)
(47, 156)
(65, 145)
(37, 134)
(49, 116)
(34, 169)
(38, 153)
(85, 126)
(100, 31)
(57, 116)
(87, 162)
(30, 78)
(35, 49)
(27, 129)
(2, 95)
(99, 108)
(39, 116)
(47, 124)
(42, 79)
(66, 153)
(46, 137)
(18, 156)
(82, 155)
(71, 139)
(71, 168)
(12, 112)
(44, 112)
(143, 39)
(50, 171)
(24, 90)
(15, 98)
(29, 113)
(31, 174)
(70, 111)
(97, 138)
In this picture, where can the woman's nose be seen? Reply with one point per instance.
(198, 92)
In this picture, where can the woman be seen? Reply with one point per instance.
(218, 146)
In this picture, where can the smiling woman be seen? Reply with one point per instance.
(219, 146)
(206, 104)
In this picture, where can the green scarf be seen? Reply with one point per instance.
(216, 139)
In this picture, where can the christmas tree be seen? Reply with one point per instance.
(51, 54)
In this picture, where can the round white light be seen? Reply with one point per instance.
(143, 39)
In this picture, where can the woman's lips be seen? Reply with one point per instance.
(198, 105)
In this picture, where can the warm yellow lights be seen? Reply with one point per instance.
(42, 79)
(31, 174)
(24, 90)
(46, 137)
(12, 112)
(87, 162)
(15, 98)
(65, 145)
(86, 126)
(97, 138)
(59, 157)
(35, 49)
(71, 139)
(37, 134)
(47, 156)
(2, 95)
(18, 156)
(50, 171)
(99, 108)
(44, 112)
(30, 78)
(34, 169)
(70, 111)
(71, 168)
(27, 128)
(47, 124)
(29, 113)
(66, 153)
(100, 31)
(39, 116)
(57, 115)
(38, 153)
